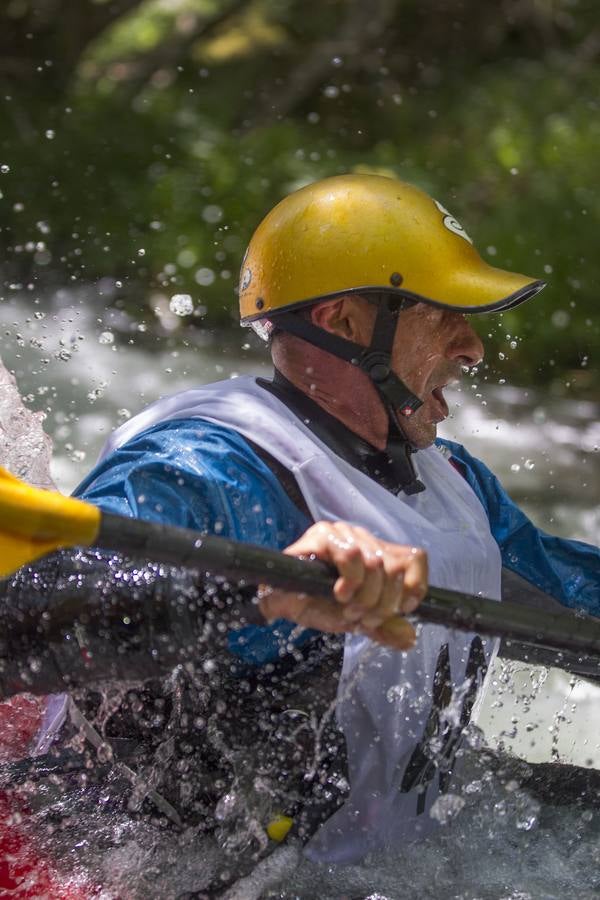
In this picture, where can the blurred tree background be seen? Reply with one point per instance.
(141, 141)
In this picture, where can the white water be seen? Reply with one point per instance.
(74, 368)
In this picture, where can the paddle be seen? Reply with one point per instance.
(36, 522)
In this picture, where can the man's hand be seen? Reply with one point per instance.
(378, 582)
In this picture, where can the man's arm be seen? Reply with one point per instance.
(198, 475)
(567, 570)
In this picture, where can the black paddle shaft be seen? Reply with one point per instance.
(82, 618)
(572, 632)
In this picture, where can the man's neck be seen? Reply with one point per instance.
(343, 391)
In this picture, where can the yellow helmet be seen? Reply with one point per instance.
(361, 233)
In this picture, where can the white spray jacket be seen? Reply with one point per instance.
(402, 713)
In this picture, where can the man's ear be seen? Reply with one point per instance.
(341, 316)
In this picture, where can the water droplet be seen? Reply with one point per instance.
(527, 817)
(446, 807)
(97, 392)
(474, 787)
(212, 213)
(104, 753)
(181, 305)
(186, 258)
(204, 277)
(226, 806)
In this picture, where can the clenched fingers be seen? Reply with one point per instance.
(323, 615)
(378, 581)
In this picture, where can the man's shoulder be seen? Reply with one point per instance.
(196, 474)
(189, 444)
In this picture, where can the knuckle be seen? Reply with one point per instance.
(373, 561)
(352, 551)
(395, 568)
(320, 526)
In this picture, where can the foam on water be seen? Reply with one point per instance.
(496, 841)
(502, 842)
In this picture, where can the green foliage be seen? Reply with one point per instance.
(184, 122)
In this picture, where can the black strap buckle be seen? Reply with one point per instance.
(377, 365)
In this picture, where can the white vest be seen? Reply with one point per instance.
(400, 742)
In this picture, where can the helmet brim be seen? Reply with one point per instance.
(524, 292)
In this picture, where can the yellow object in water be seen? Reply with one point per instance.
(279, 827)
(34, 522)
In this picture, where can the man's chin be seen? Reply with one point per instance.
(420, 434)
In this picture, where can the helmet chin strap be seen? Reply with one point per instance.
(376, 361)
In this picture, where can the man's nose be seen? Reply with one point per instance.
(466, 345)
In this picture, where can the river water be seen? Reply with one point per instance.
(89, 370)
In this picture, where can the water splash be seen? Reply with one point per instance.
(25, 449)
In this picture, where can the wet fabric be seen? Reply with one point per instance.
(567, 570)
(199, 475)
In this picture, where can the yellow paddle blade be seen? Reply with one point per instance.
(34, 522)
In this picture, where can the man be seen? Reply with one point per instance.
(361, 284)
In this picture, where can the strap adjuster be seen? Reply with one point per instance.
(376, 364)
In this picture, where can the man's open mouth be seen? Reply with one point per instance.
(438, 396)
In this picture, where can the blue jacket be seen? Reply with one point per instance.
(214, 482)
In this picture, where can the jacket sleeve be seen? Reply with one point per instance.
(567, 570)
(195, 474)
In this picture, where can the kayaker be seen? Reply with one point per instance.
(362, 286)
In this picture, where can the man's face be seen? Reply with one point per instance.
(431, 348)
